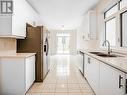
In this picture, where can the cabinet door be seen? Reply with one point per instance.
(19, 18)
(5, 25)
(111, 81)
(92, 73)
(89, 25)
(12, 76)
(30, 71)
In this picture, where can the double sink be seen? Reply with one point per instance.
(101, 54)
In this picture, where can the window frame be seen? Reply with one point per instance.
(121, 30)
(118, 16)
(106, 19)
(120, 5)
(109, 10)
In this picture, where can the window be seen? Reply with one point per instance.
(110, 24)
(124, 29)
(110, 31)
(112, 21)
(111, 11)
(63, 43)
(123, 3)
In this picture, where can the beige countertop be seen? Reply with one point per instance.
(16, 55)
(116, 62)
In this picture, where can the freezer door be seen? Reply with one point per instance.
(45, 58)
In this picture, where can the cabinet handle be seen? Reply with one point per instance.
(89, 60)
(120, 81)
(126, 86)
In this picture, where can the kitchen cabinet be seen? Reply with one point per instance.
(14, 25)
(89, 25)
(17, 74)
(92, 73)
(112, 81)
(30, 71)
(103, 78)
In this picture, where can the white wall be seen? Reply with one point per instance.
(94, 44)
(32, 15)
(53, 40)
(81, 43)
(22, 10)
(73, 42)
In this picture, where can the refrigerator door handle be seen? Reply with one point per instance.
(47, 44)
(44, 48)
(47, 48)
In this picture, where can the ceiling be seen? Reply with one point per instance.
(62, 14)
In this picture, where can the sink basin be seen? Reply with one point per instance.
(104, 54)
(108, 55)
(96, 52)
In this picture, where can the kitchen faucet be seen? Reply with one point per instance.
(109, 50)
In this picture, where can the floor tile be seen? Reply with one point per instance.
(63, 90)
(64, 78)
(33, 93)
(61, 93)
(88, 94)
(74, 93)
(61, 85)
(47, 93)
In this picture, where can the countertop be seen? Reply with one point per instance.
(119, 63)
(16, 55)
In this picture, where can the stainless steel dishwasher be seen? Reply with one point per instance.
(81, 62)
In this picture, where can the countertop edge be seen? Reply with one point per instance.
(17, 55)
(99, 59)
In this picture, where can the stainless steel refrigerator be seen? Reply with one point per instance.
(36, 41)
(46, 55)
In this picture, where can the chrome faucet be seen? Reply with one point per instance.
(104, 43)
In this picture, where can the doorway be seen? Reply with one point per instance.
(63, 43)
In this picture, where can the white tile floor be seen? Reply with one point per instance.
(63, 79)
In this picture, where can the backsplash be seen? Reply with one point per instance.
(8, 45)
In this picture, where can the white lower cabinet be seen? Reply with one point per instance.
(104, 79)
(112, 81)
(16, 75)
(92, 73)
(30, 71)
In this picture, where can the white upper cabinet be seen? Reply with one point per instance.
(19, 18)
(14, 25)
(89, 26)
